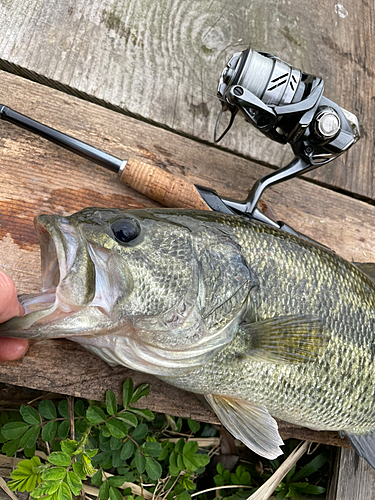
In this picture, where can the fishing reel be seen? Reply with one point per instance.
(288, 106)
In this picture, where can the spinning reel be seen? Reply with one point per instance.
(288, 106)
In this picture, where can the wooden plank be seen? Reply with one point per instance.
(161, 61)
(353, 478)
(37, 176)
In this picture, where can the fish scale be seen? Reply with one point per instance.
(262, 323)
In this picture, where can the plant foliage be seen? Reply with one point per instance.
(125, 451)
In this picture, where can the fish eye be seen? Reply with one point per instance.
(125, 230)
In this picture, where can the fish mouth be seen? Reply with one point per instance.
(59, 246)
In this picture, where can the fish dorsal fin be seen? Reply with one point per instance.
(285, 339)
(367, 268)
(364, 445)
(250, 423)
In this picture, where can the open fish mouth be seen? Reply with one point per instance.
(59, 246)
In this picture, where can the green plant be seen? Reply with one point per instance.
(241, 477)
(123, 451)
(124, 440)
(295, 486)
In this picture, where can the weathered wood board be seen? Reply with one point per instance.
(353, 478)
(161, 61)
(37, 176)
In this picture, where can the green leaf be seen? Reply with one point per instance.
(104, 442)
(54, 474)
(63, 429)
(47, 409)
(11, 447)
(91, 452)
(81, 426)
(105, 432)
(31, 483)
(68, 446)
(14, 430)
(153, 468)
(180, 462)
(117, 428)
(311, 489)
(311, 467)
(114, 493)
(79, 408)
(51, 487)
(173, 468)
(29, 438)
(26, 466)
(63, 408)
(117, 481)
(78, 469)
(188, 483)
(194, 426)
(140, 392)
(104, 491)
(30, 415)
(128, 418)
(111, 403)
(183, 496)
(127, 450)
(60, 458)
(140, 461)
(117, 461)
(151, 448)
(140, 432)
(165, 451)
(180, 445)
(29, 452)
(64, 493)
(115, 443)
(104, 460)
(74, 483)
(49, 431)
(290, 474)
(143, 412)
(97, 478)
(95, 415)
(220, 468)
(193, 460)
(127, 392)
(190, 448)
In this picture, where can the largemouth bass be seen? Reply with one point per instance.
(260, 322)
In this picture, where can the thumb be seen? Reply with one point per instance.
(9, 305)
(10, 349)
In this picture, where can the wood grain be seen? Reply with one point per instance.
(353, 478)
(161, 61)
(37, 176)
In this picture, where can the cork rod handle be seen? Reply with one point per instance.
(161, 186)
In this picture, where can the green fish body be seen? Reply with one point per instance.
(260, 322)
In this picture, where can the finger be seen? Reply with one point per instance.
(12, 349)
(9, 305)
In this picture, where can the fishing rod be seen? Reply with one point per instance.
(284, 103)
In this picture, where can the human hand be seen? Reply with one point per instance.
(10, 349)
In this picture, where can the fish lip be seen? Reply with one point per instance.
(57, 253)
(52, 252)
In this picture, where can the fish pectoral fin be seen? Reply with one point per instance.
(367, 268)
(364, 445)
(250, 423)
(286, 339)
